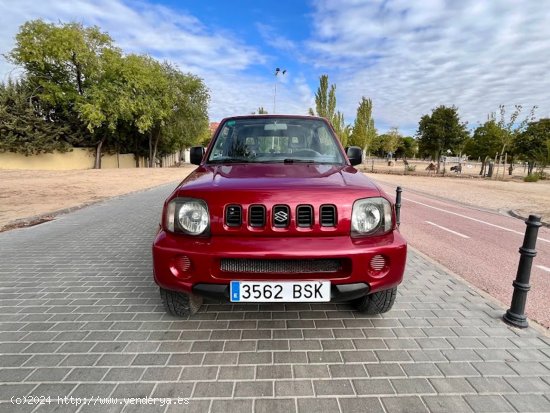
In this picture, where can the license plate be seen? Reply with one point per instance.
(284, 291)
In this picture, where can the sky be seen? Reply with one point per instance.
(407, 56)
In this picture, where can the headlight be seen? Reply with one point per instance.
(371, 216)
(187, 215)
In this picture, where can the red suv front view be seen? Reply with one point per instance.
(276, 212)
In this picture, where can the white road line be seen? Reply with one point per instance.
(448, 230)
(542, 267)
(473, 219)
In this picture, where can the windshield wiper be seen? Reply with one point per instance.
(292, 160)
(229, 160)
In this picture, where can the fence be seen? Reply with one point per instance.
(501, 170)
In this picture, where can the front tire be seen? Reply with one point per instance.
(376, 303)
(180, 304)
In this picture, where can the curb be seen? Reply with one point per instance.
(514, 214)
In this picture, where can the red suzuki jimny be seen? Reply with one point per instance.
(276, 212)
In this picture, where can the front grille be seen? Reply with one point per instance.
(304, 216)
(328, 216)
(233, 215)
(256, 216)
(281, 216)
(280, 266)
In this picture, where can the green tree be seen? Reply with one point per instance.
(441, 131)
(63, 64)
(325, 106)
(363, 132)
(485, 142)
(390, 141)
(533, 144)
(260, 111)
(188, 121)
(24, 126)
(407, 147)
(511, 128)
(133, 102)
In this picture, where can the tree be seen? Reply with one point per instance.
(533, 145)
(260, 111)
(485, 142)
(80, 80)
(441, 131)
(509, 130)
(390, 141)
(407, 147)
(363, 133)
(325, 106)
(63, 63)
(24, 127)
(188, 122)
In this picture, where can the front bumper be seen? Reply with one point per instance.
(338, 292)
(183, 263)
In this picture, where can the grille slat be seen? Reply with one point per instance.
(233, 215)
(244, 265)
(328, 216)
(256, 216)
(304, 216)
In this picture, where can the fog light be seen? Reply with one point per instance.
(180, 265)
(378, 263)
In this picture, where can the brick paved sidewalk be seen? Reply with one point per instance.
(80, 316)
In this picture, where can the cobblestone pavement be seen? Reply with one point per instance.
(81, 316)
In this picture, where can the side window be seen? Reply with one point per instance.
(217, 151)
(326, 141)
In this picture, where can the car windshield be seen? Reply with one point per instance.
(275, 140)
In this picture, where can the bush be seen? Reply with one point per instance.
(411, 168)
(531, 178)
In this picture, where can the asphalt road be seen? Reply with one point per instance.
(480, 246)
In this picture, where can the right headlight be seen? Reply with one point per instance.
(371, 216)
(188, 215)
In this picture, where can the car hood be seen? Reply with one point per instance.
(287, 177)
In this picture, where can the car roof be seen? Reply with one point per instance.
(271, 117)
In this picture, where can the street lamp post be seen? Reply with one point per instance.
(278, 72)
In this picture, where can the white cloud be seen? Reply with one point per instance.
(412, 56)
(219, 57)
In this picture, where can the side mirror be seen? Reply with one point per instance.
(196, 154)
(355, 155)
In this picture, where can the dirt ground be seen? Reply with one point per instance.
(25, 194)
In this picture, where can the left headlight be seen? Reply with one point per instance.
(371, 216)
(187, 215)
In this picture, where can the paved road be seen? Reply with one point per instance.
(480, 246)
(80, 316)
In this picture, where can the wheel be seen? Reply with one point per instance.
(376, 303)
(180, 304)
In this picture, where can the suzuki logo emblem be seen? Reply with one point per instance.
(281, 216)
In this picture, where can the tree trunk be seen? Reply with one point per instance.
(78, 74)
(97, 164)
(438, 161)
(150, 163)
(156, 145)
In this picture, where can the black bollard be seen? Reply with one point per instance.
(515, 316)
(398, 205)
